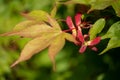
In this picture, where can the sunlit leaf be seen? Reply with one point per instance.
(33, 47)
(55, 40)
(96, 28)
(24, 25)
(53, 23)
(69, 37)
(37, 44)
(54, 11)
(43, 34)
(56, 45)
(30, 32)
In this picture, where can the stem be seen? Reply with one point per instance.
(68, 30)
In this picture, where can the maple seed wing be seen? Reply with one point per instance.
(71, 25)
(82, 49)
(95, 41)
(78, 19)
(55, 47)
(32, 47)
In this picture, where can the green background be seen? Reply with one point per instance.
(71, 65)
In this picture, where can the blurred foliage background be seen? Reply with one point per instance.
(70, 64)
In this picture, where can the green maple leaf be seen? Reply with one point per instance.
(43, 36)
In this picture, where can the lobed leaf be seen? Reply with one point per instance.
(56, 45)
(32, 47)
(96, 28)
(54, 11)
(31, 32)
(45, 31)
(53, 23)
(24, 24)
(69, 37)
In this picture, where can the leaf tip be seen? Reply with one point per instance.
(4, 34)
(101, 53)
(105, 50)
(8, 33)
(14, 64)
(90, 10)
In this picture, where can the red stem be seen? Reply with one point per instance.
(68, 30)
